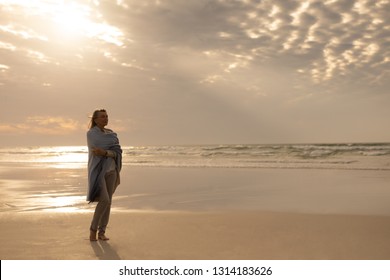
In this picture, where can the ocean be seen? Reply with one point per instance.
(353, 156)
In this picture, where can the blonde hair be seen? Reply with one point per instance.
(94, 116)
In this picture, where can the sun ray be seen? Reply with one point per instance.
(66, 20)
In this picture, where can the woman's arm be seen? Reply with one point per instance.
(102, 152)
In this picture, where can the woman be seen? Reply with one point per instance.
(104, 166)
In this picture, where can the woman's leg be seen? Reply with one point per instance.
(110, 188)
(104, 202)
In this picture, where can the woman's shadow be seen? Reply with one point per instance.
(104, 251)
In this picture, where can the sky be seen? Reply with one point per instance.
(195, 71)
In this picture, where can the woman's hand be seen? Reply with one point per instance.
(99, 151)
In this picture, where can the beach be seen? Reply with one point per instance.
(197, 236)
(198, 213)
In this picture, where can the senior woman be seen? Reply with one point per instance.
(104, 166)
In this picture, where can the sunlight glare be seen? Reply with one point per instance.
(63, 157)
(72, 19)
(69, 20)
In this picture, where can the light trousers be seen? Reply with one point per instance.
(103, 208)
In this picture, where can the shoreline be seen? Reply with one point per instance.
(202, 189)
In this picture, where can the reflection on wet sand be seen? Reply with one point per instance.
(37, 188)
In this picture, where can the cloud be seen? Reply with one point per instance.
(327, 40)
(45, 125)
(330, 38)
(164, 65)
(12, 129)
(56, 33)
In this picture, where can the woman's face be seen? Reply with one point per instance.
(102, 119)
